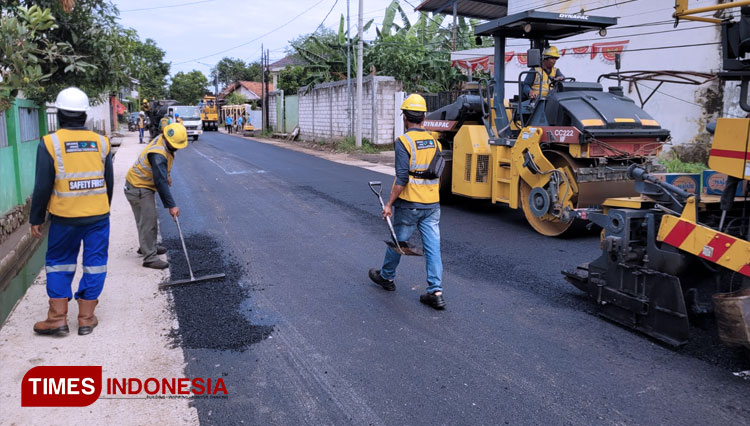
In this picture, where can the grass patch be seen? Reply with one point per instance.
(267, 133)
(675, 165)
(348, 146)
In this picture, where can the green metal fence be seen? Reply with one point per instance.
(23, 123)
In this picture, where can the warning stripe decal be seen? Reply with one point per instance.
(728, 153)
(720, 244)
(679, 233)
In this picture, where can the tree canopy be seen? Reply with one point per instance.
(45, 46)
(417, 54)
(231, 70)
(149, 68)
(188, 88)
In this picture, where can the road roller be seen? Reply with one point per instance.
(549, 155)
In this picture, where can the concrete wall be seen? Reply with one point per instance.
(273, 99)
(99, 117)
(323, 111)
(683, 109)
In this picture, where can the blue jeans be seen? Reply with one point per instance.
(405, 222)
(62, 256)
(140, 134)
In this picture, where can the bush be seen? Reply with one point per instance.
(675, 165)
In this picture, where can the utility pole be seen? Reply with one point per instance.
(360, 46)
(266, 74)
(349, 113)
(262, 88)
(455, 24)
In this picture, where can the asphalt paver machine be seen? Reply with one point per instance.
(670, 258)
(567, 150)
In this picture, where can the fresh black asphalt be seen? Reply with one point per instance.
(300, 335)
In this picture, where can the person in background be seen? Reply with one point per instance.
(74, 182)
(239, 125)
(141, 125)
(538, 83)
(228, 122)
(177, 118)
(164, 122)
(150, 174)
(415, 203)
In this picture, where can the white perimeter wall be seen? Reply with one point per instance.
(323, 110)
(683, 109)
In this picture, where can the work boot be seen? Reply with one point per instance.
(159, 250)
(156, 264)
(379, 280)
(57, 318)
(86, 318)
(434, 300)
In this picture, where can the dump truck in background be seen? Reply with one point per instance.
(209, 113)
(191, 119)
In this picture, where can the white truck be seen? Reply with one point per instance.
(191, 119)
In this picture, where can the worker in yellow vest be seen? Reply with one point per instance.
(74, 182)
(177, 118)
(150, 174)
(414, 202)
(539, 83)
(164, 122)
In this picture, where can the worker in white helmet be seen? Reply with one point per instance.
(74, 182)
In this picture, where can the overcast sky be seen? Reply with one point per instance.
(196, 33)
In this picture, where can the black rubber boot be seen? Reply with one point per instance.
(379, 280)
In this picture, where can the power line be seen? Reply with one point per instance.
(166, 7)
(257, 38)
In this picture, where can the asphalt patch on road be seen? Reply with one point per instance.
(210, 313)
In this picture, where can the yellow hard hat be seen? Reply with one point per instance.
(551, 52)
(414, 102)
(176, 135)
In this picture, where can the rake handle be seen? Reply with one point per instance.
(184, 248)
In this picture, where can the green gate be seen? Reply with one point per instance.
(291, 113)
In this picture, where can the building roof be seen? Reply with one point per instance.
(481, 9)
(287, 61)
(255, 87)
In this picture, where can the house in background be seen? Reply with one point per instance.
(281, 64)
(252, 90)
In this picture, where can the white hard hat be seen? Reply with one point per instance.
(72, 99)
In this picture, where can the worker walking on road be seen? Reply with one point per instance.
(141, 126)
(539, 83)
(74, 183)
(150, 174)
(415, 202)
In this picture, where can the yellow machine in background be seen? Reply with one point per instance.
(670, 257)
(209, 113)
(551, 155)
